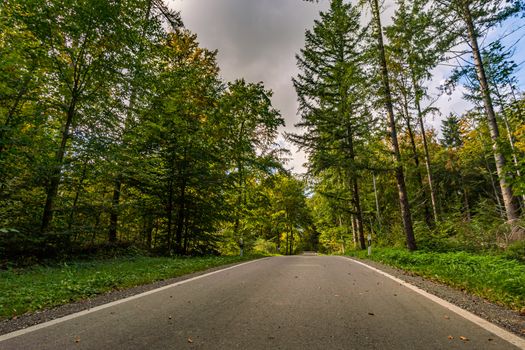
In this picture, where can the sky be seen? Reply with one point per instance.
(258, 39)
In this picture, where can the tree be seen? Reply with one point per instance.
(249, 128)
(478, 17)
(331, 91)
(386, 97)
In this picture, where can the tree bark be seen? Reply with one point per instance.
(52, 188)
(77, 196)
(415, 156)
(113, 218)
(181, 212)
(425, 147)
(378, 213)
(506, 191)
(400, 177)
(169, 214)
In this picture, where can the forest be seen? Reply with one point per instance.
(117, 132)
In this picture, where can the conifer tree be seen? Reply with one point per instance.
(332, 97)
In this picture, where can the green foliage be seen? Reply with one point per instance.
(40, 287)
(516, 251)
(494, 277)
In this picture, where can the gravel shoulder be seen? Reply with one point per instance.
(496, 314)
(501, 316)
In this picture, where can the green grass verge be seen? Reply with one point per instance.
(42, 287)
(496, 278)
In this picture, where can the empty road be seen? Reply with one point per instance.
(299, 302)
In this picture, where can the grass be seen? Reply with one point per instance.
(496, 278)
(40, 287)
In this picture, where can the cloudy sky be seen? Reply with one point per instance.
(258, 39)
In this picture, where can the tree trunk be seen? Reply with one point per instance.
(509, 136)
(354, 233)
(400, 177)
(181, 215)
(355, 192)
(77, 196)
(169, 214)
(378, 213)
(149, 221)
(506, 191)
(359, 214)
(425, 147)
(415, 156)
(492, 182)
(113, 218)
(52, 188)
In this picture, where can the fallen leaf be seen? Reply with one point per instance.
(169, 317)
(77, 339)
(450, 337)
(463, 338)
(371, 313)
(336, 295)
(395, 295)
(523, 331)
(490, 339)
(190, 341)
(446, 317)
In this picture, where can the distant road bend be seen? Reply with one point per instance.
(298, 302)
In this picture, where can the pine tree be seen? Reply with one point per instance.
(331, 91)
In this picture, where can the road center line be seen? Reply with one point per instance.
(113, 303)
(496, 330)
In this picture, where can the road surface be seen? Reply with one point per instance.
(299, 302)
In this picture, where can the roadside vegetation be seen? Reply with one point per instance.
(499, 278)
(40, 287)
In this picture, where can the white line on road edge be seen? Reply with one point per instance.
(113, 303)
(500, 332)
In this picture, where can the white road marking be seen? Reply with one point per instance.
(500, 332)
(105, 306)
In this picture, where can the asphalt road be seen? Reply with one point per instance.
(300, 302)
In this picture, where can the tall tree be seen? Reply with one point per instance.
(332, 100)
(386, 96)
(249, 129)
(477, 17)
